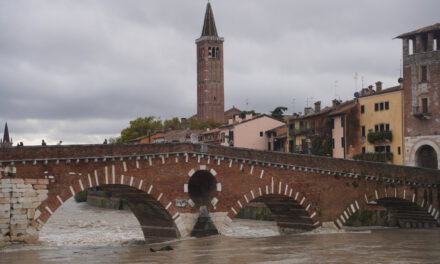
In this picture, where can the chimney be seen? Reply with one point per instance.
(248, 116)
(335, 102)
(230, 121)
(370, 89)
(317, 106)
(400, 81)
(307, 110)
(378, 86)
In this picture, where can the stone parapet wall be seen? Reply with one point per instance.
(19, 199)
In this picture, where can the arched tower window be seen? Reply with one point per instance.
(217, 53)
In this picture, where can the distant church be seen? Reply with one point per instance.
(210, 73)
(6, 141)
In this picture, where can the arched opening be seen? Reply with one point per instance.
(202, 187)
(393, 212)
(289, 215)
(145, 219)
(427, 157)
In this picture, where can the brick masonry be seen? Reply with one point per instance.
(419, 129)
(154, 179)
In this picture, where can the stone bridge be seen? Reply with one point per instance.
(165, 186)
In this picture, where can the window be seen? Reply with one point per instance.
(362, 109)
(231, 135)
(382, 127)
(215, 98)
(261, 133)
(425, 105)
(376, 128)
(291, 146)
(210, 51)
(343, 142)
(363, 149)
(376, 107)
(342, 121)
(424, 74)
(381, 106)
(363, 131)
(398, 150)
(333, 143)
(268, 145)
(332, 123)
(388, 149)
(387, 105)
(217, 53)
(387, 127)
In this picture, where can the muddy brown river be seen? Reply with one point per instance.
(78, 233)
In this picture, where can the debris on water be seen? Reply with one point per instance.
(166, 248)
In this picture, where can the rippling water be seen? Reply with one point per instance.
(77, 233)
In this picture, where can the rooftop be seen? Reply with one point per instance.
(435, 27)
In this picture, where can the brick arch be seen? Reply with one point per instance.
(398, 192)
(280, 189)
(103, 177)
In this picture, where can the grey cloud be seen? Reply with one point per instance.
(81, 70)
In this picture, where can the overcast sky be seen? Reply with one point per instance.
(79, 71)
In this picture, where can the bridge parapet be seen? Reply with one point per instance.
(374, 171)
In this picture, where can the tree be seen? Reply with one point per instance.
(173, 124)
(140, 127)
(244, 113)
(278, 113)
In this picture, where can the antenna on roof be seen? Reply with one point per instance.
(362, 78)
(335, 87)
(293, 105)
(309, 99)
(355, 81)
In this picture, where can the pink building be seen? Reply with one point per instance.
(249, 132)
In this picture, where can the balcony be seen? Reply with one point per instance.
(380, 136)
(421, 112)
(301, 131)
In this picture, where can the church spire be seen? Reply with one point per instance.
(209, 28)
(6, 134)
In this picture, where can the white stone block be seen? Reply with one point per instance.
(5, 207)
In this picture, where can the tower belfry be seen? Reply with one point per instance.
(210, 79)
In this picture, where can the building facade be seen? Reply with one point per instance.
(210, 79)
(345, 130)
(421, 84)
(381, 122)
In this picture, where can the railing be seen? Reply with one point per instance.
(418, 112)
(380, 136)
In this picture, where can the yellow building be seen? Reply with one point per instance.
(381, 122)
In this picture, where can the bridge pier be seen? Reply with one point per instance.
(19, 199)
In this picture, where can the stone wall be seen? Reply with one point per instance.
(19, 199)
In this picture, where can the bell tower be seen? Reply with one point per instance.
(210, 81)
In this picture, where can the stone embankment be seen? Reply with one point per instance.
(18, 200)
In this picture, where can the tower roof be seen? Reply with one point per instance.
(6, 134)
(209, 28)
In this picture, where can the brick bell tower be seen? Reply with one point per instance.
(210, 84)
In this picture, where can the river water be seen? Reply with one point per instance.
(78, 233)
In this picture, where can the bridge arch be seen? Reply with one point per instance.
(392, 198)
(291, 209)
(157, 216)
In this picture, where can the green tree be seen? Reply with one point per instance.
(173, 124)
(140, 127)
(278, 113)
(244, 113)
